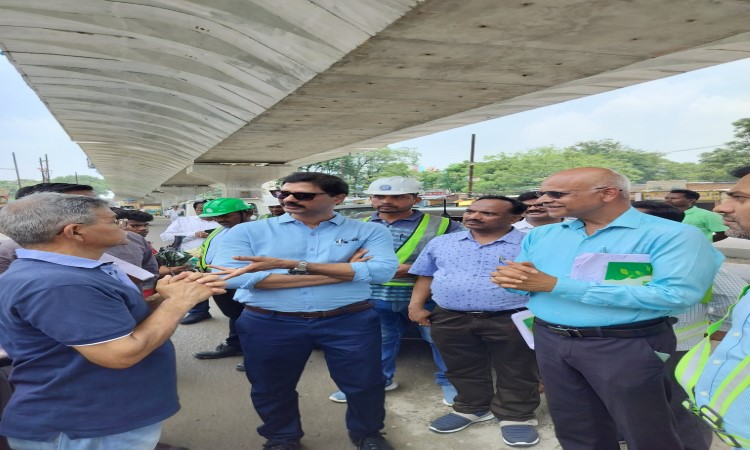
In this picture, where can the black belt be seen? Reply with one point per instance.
(352, 308)
(486, 314)
(626, 330)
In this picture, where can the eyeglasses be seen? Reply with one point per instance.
(303, 196)
(559, 194)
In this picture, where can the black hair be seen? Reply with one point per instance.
(740, 172)
(133, 214)
(60, 188)
(516, 206)
(330, 184)
(526, 196)
(199, 202)
(692, 195)
(660, 209)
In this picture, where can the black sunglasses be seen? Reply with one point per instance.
(559, 194)
(298, 195)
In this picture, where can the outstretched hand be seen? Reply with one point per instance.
(257, 264)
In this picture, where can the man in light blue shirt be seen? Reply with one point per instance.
(600, 345)
(727, 369)
(301, 292)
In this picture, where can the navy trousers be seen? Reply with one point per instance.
(281, 347)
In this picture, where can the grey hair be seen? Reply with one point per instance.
(619, 181)
(38, 218)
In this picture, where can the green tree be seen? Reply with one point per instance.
(716, 164)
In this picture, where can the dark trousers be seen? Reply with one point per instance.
(201, 307)
(595, 386)
(281, 347)
(232, 309)
(470, 348)
(695, 434)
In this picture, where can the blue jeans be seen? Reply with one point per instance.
(144, 438)
(394, 317)
(281, 346)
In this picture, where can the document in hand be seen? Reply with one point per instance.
(631, 269)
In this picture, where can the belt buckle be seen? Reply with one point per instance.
(310, 315)
(568, 332)
(478, 314)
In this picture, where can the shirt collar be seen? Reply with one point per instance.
(59, 258)
(512, 237)
(337, 219)
(629, 219)
(416, 215)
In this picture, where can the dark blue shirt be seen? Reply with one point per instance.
(51, 302)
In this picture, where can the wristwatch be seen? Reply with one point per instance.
(301, 269)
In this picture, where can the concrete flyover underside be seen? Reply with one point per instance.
(148, 88)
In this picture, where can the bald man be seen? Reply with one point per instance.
(601, 345)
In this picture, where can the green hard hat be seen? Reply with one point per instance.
(221, 206)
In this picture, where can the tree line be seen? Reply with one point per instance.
(518, 172)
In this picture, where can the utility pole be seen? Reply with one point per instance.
(471, 165)
(15, 164)
(44, 168)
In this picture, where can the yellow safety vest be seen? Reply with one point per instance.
(409, 250)
(689, 370)
(202, 264)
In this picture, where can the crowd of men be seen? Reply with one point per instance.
(611, 288)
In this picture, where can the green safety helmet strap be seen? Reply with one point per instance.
(221, 206)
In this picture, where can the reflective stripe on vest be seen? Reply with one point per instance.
(202, 265)
(691, 331)
(409, 250)
(689, 370)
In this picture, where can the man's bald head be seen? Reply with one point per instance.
(593, 177)
(592, 194)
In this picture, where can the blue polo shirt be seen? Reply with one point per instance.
(50, 302)
(684, 265)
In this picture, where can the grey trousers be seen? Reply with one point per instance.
(595, 386)
(471, 347)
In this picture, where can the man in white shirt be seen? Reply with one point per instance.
(535, 215)
(192, 230)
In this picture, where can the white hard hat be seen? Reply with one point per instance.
(270, 200)
(394, 186)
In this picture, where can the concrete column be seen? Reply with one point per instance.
(241, 181)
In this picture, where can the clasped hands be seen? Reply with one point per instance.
(522, 276)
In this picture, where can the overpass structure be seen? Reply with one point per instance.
(168, 95)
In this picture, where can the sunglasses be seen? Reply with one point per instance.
(559, 194)
(302, 196)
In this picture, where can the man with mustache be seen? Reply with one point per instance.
(471, 323)
(300, 292)
(535, 215)
(393, 199)
(717, 385)
(601, 345)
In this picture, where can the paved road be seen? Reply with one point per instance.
(217, 415)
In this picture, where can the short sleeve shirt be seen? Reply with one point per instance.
(57, 389)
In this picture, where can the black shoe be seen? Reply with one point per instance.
(165, 446)
(281, 445)
(222, 351)
(373, 442)
(240, 367)
(195, 318)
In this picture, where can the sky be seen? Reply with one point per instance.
(681, 116)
